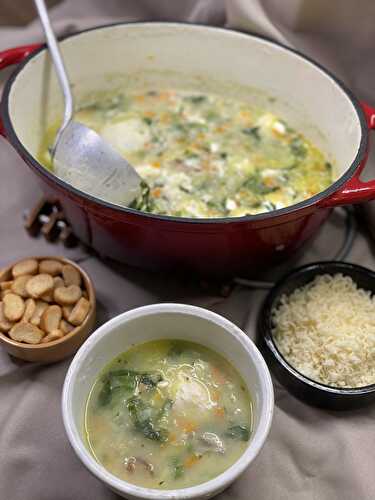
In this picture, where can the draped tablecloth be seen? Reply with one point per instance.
(310, 454)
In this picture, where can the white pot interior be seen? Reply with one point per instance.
(166, 321)
(188, 56)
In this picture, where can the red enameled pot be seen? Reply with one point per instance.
(191, 56)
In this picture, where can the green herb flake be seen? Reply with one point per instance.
(298, 147)
(238, 432)
(197, 99)
(178, 468)
(144, 421)
(252, 132)
(147, 120)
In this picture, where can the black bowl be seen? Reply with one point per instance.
(299, 385)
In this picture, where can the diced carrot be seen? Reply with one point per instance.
(172, 437)
(219, 412)
(156, 164)
(245, 115)
(220, 128)
(190, 427)
(157, 397)
(269, 181)
(164, 96)
(218, 376)
(149, 114)
(191, 460)
(156, 192)
(185, 425)
(215, 396)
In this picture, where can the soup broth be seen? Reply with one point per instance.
(206, 155)
(168, 414)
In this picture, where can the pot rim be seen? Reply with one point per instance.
(310, 202)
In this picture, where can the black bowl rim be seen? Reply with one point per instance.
(319, 267)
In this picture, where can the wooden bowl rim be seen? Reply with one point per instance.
(91, 293)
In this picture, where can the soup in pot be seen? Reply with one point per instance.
(168, 414)
(206, 155)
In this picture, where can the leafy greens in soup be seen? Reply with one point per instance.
(205, 155)
(168, 414)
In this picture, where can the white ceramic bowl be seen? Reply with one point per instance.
(156, 322)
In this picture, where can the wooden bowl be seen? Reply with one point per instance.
(61, 348)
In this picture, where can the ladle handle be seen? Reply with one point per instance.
(58, 63)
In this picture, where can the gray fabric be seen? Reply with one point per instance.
(310, 454)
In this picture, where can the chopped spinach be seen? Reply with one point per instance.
(190, 154)
(143, 202)
(218, 204)
(298, 147)
(150, 379)
(239, 432)
(189, 447)
(268, 205)
(175, 350)
(147, 120)
(197, 99)
(178, 468)
(255, 184)
(126, 381)
(144, 421)
(105, 394)
(212, 115)
(126, 376)
(123, 379)
(252, 132)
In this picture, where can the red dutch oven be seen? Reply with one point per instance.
(116, 56)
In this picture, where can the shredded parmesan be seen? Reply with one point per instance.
(326, 330)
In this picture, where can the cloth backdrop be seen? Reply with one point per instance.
(310, 454)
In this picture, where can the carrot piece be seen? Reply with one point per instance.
(190, 427)
(172, 438)
(215, 396)
(156, 192)
(220, 128)
(219, 412)
(245, 115)
(269, 181)
(191, 460)
(186, 425)
(218, 376)
(164, 96)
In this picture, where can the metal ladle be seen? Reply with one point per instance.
(79, 155)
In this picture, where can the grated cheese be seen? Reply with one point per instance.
(326, 330)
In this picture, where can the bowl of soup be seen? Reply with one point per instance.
(167, 401)
(244, 155)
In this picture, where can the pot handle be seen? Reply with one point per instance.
(355, 190)
(15, 56)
